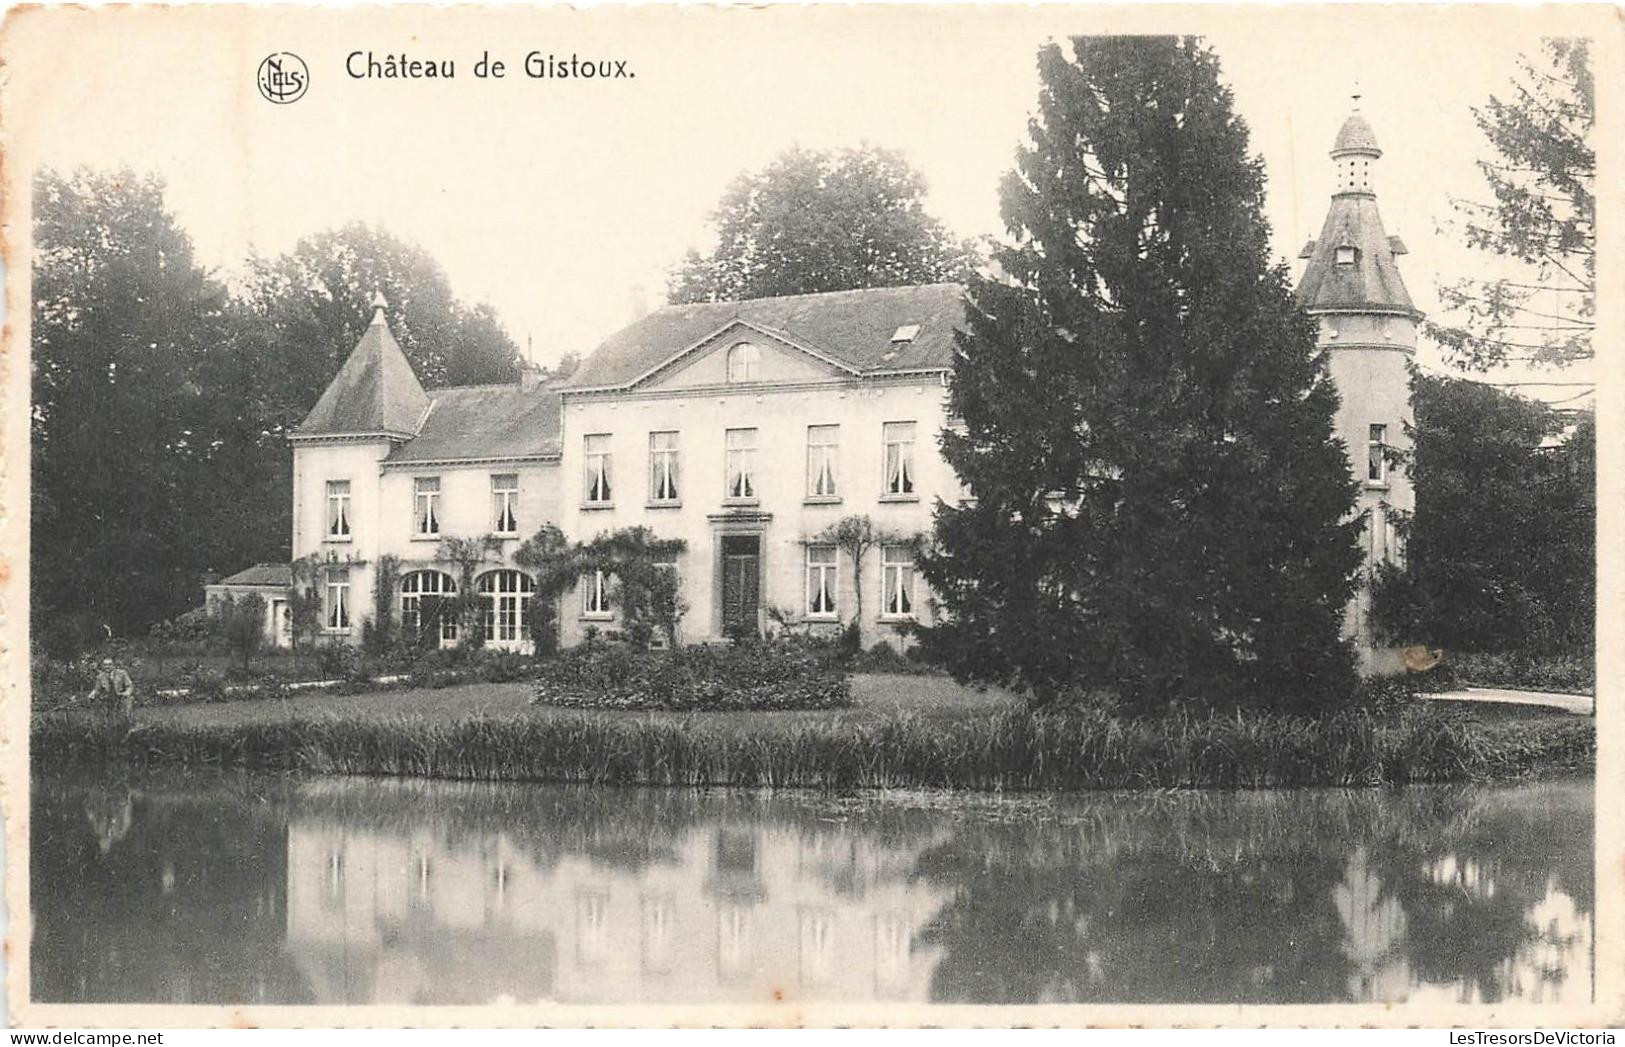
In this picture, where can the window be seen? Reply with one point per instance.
(596, 448)
(592, 927)
(1345, 255)
(897, 581)
(823, 442)
(818, 955)
(338, 509)
(663, 487)
(505, 605)
(741, 463)
(505, 503)
(743, 360)
(734, 941)
(337, 602)
(426, 504)
(1376, 470)
(899, 437)
(438, 587)
(595, 601)
(820, 581)
(906, 333)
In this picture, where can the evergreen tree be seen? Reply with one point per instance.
(820, 221)
(1158, 504)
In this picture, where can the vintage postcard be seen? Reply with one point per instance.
(806, 515)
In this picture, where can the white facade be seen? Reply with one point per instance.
(382, 519)
(811, 447)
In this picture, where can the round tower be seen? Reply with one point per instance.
(1368, 327)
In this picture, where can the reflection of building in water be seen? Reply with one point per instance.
(1374, 934)
(735, 911)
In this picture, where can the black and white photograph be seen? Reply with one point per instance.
(811, 515)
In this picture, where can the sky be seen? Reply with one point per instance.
(559, 201)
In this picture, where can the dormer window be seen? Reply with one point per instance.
(1345, 254)
(743, 360)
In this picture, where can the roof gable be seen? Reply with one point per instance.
(852, 330)
(781, 358)
(375, 391)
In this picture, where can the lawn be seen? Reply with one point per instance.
(879, 697)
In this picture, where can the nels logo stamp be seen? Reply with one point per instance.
(283, 77)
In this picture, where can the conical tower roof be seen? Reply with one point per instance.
(375, 392)
(1352, 262)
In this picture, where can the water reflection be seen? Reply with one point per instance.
(344, 891)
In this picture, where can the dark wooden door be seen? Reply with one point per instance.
(741, 585)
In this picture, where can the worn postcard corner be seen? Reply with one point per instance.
(933, 515)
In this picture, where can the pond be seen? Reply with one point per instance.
(200, 888)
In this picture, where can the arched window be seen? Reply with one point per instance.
(439, 587)
(743, 360)
(505, 605)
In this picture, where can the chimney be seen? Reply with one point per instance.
(638, 300)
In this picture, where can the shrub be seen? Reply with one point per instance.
(884, 658)
(1574, 673)
(339, 661)
(1385, 696)
(782, 674)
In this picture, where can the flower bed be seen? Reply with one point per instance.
(766, 676)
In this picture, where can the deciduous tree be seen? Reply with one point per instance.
(1538, 220)
(821, 221)
(1501, 551)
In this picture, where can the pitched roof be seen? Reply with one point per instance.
(1372, 281)
(853, 328)
(261, 574)
(485, 422)
(374, 392)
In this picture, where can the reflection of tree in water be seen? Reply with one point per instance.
(1264, 897)
(130, 887)
(1474, 891)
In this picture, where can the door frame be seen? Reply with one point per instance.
(738, 524)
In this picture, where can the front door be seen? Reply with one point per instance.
(741, 584)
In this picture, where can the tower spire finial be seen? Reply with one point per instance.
(379, 304)
(1356, 96)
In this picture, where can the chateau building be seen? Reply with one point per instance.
(747, 430)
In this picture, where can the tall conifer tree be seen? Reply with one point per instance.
(1158, 504)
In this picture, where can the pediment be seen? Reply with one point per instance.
(780, 358)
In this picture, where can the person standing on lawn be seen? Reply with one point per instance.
(116, 689)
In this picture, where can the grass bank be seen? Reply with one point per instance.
(1008, 749)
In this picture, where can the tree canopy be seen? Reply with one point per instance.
(1501, 551)
(1539, 221)
(162, 401)
(816, 221)
(1158, 506)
